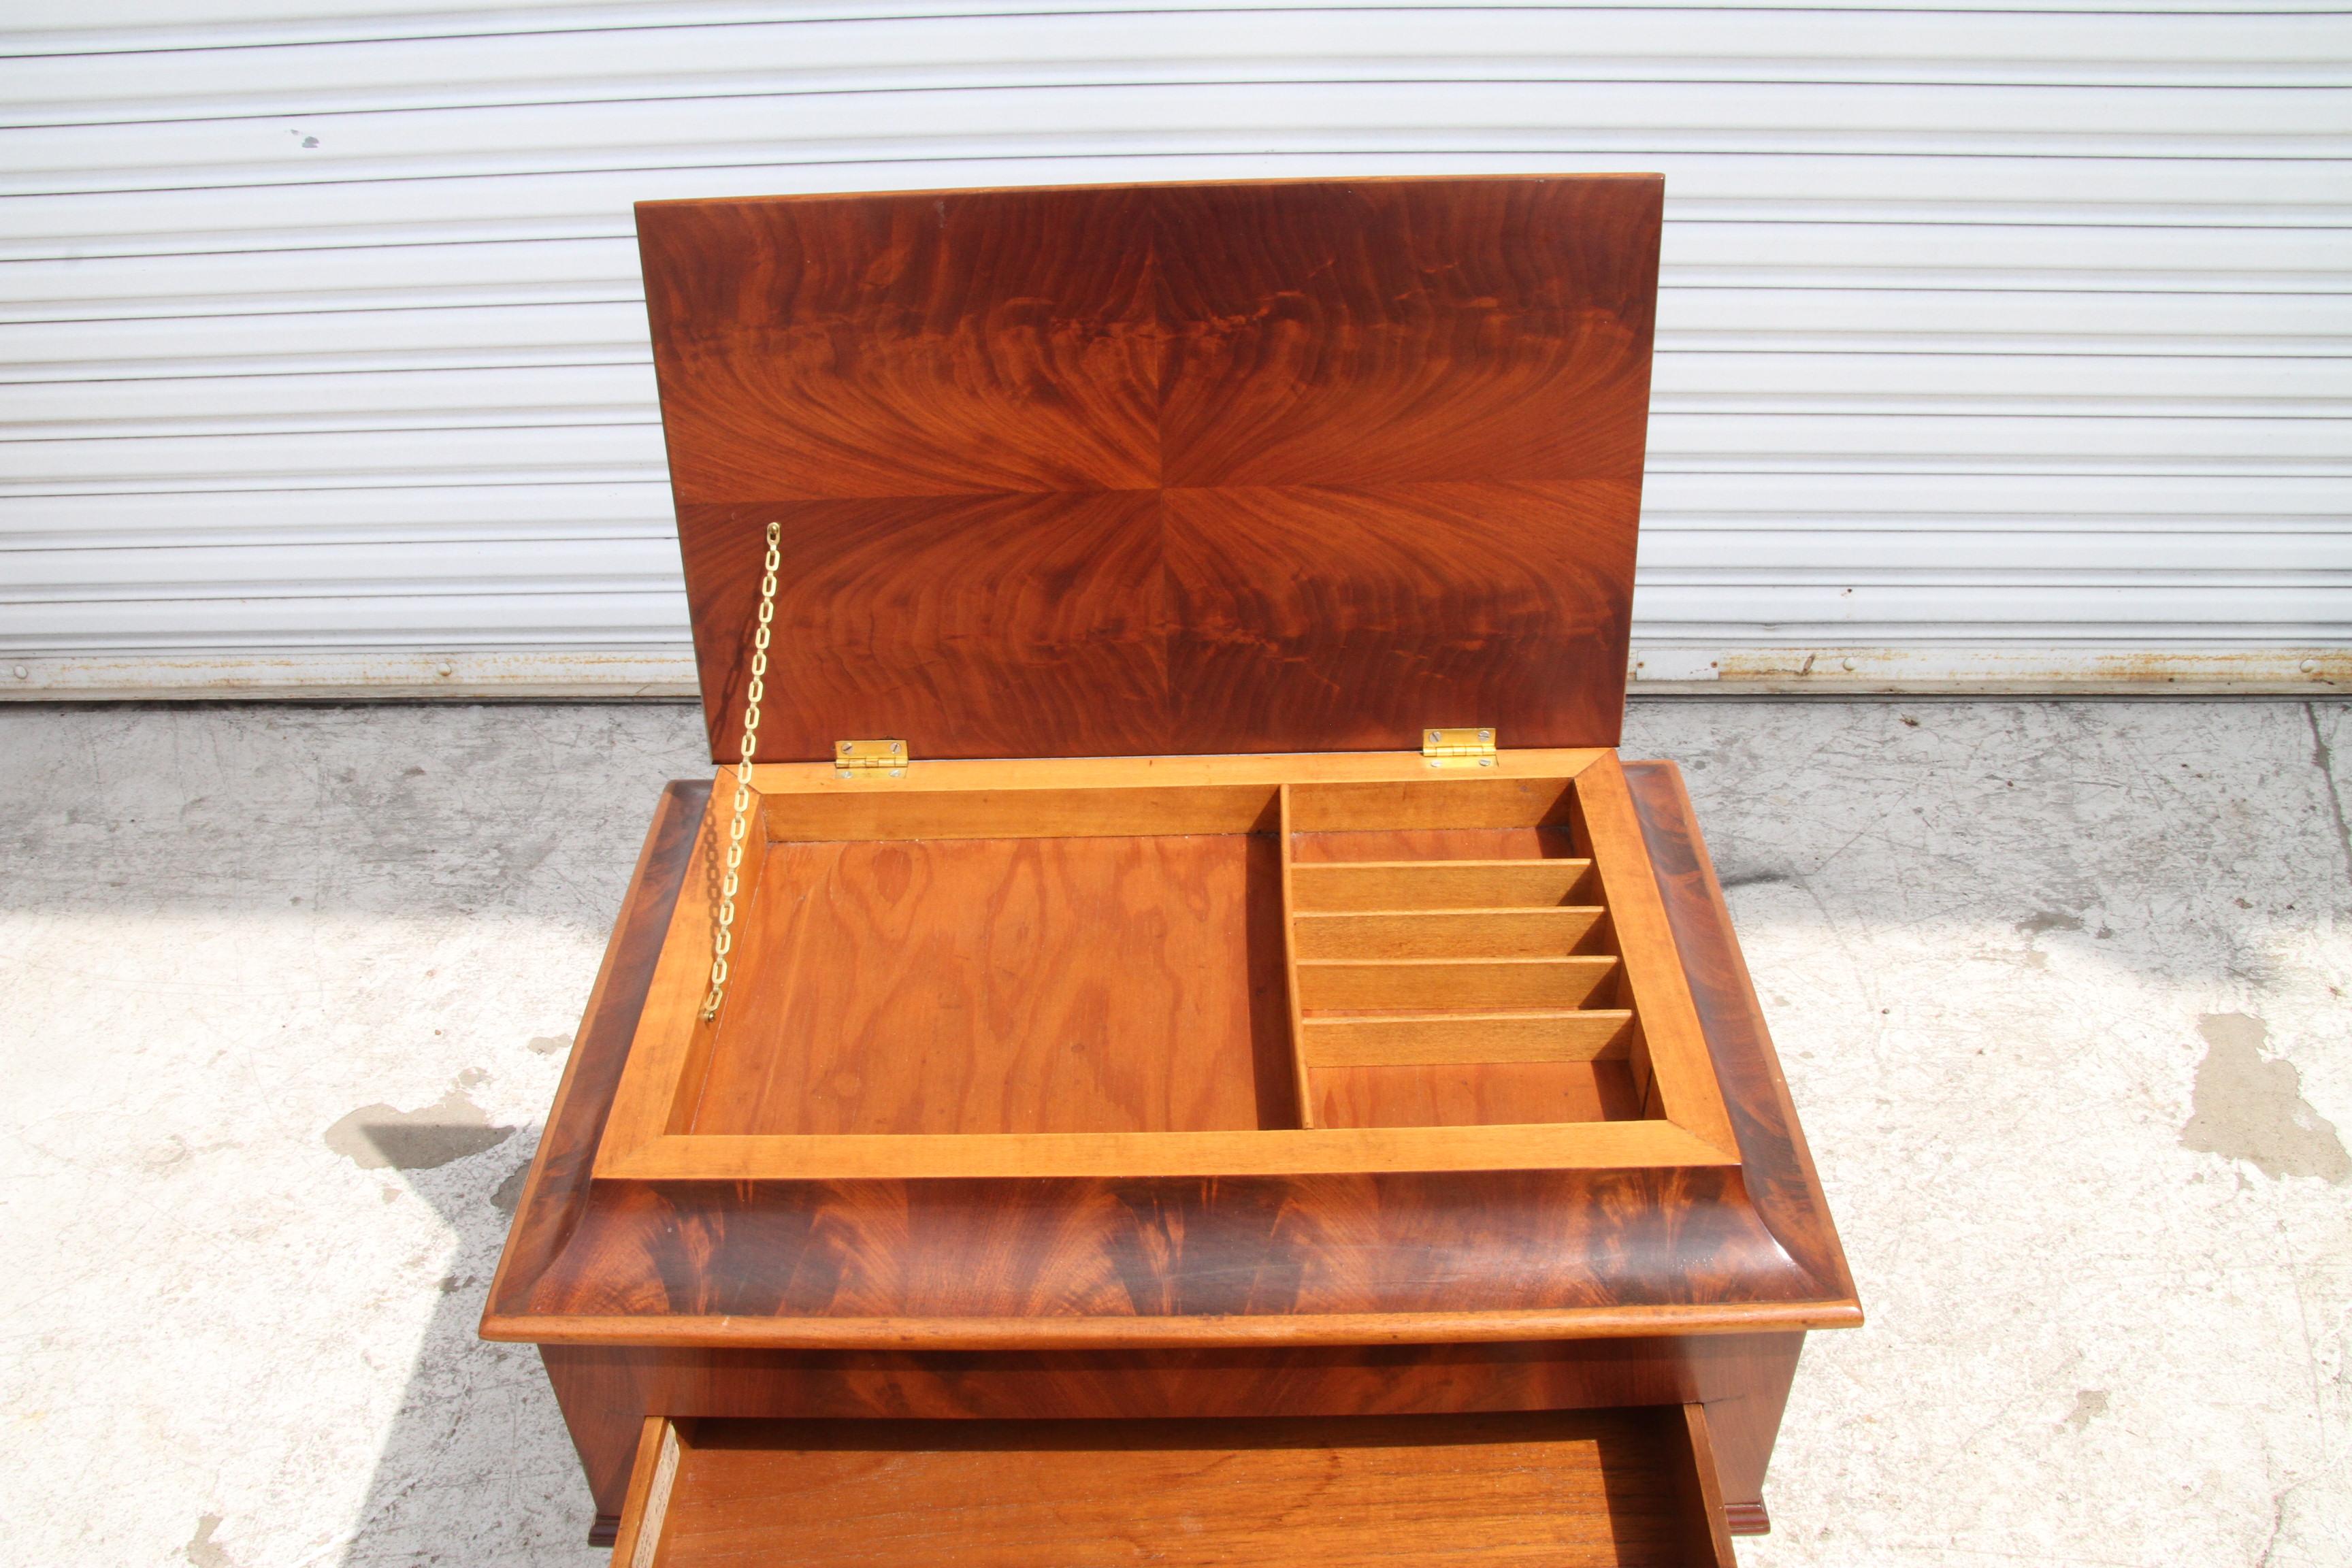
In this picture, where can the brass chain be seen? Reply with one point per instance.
(724, 942)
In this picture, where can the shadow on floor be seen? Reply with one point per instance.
(477, 1466)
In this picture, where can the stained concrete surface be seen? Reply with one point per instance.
(285, 992)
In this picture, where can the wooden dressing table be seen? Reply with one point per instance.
(1220, 1061)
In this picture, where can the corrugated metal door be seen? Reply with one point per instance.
(1996, 346)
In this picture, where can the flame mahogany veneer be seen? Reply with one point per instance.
(1280, 467)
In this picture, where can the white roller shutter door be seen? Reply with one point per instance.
(1996, 348)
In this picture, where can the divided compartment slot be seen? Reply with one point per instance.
(1453, 958)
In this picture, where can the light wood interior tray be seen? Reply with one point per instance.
(1599, 1488)
(1174, 966)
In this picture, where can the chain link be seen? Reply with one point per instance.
(724, 942)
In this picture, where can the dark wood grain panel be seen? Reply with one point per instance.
(1381, 331)
(1390, 431)
(556, 1191)
(1571, 1489)
(1033, 1251)
(1779, 1169)
(1009, 986)
(608, 1390)
(1290, 1380)
(825, 347)
(937, 621)
(1452, 604)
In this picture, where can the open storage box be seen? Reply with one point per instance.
(1217, 1058)
(1093, 969)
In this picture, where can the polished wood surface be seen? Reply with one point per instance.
(587, 1265)
(1455, 910)
(1478, 1145)
(1553, 931)
(1583, 1034)
(1743, 1379)
(1287, 829)
(1301, 465)
(1008, 986)
(555, 1191)
(1112, 1004)
(1674, 1058)
(1776, 1166)
(1469, 1094)
(1580, 1490)
(1523, 782)
(1440, 883)
(1088, 481)
(1181, 1260)
(638, 1532)
(1435, 984)
(1704, 1536)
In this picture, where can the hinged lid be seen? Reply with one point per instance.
(854, 758)
(1459, 748)
(1121, 470)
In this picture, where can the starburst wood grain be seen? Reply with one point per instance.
(1126, 470)
(1380, 332)
(815, 348)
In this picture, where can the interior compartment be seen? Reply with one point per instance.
(1453, 960)
(1597, 1489)
(1092, 983)
(1378, 957)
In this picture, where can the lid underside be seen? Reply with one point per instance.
(1120, 470)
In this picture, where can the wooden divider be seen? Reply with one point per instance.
(1582, 1035)
(1438, 984)
(1423, 964)
(1424, 885)
(1299, 1064)
(1447, 934)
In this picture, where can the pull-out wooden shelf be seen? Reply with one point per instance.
(1159, 966)
(1612, 1488)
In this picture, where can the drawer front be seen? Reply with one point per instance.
(1563, 1489)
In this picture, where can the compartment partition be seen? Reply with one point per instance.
(1458, 963)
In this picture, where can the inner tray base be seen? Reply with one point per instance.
(1127, 984)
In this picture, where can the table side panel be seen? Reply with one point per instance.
(1780, 1179)
(557, 1190)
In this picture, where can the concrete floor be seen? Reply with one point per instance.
(2060, 990)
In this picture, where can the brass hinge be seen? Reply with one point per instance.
(1458, 748)
(857, 759)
